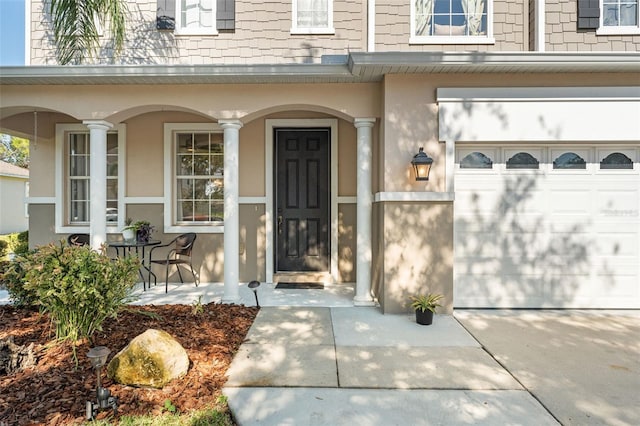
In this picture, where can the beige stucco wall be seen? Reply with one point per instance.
(413, 253)
(562, 32)
(262, 35)
(510, 28)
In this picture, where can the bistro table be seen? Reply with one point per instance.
(128, 246)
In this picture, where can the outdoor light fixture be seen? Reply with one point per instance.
(98, 357)
(421, 165)
(253, 285)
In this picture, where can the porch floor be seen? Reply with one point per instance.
(333, 295)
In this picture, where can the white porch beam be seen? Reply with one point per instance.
(364, 194)
(98, 162)
(231, 130)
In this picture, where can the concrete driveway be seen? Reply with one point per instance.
(582, 366)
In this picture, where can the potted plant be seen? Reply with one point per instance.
(128, 232)
(137, 231)
(425, 306)
(143, 230)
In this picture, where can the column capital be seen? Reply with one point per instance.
(230, 124)
(97, 124)
(364, 122)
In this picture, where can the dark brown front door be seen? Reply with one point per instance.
(302, 199)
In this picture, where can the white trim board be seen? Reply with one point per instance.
(270, 125)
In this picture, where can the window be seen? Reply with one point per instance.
(569, 160)
(312, 17)
(73, 179)
(523, 160)
(196, 17)
(79, 179)
(196, 176)
(451, 21)
(619, 17)
(616, 161)
(476, 160)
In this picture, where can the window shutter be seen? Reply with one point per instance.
(226, 15)
(588, 14)
(166, 15)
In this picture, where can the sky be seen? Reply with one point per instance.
(12, 32)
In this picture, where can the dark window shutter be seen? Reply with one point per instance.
(588, 14)
(226, 15)
(166, 15)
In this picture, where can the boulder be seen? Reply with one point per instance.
(151, 359)
(14, 357)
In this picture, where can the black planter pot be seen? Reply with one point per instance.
(424, 318)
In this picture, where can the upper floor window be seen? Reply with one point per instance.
(312, 17)
(451, 21)
(620, 17)
(196, 17)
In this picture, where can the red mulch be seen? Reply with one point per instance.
(55, 391)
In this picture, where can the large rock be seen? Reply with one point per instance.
(152, 359)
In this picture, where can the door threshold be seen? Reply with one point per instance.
(302, 277)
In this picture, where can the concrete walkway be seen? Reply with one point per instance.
(333, 366)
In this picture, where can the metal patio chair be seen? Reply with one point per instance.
(78, 240)
(180, 254)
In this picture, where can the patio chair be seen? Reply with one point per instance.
(180, 254)
(78, 240)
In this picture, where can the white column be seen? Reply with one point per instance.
(98, 163)
(231, 210)
(365, 202)
(449, 165)
(541, 26)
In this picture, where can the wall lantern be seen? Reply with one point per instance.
(421, 165)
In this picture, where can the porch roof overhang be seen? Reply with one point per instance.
(352, 68)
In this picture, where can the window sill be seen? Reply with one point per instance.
(312, 31)
(201, 229)
(188, 33)
(452, 40)
(608, 31)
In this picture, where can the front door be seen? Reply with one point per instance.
(302, 199)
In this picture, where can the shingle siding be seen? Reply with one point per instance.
(259, 24)
(562, 33)
(262, 34)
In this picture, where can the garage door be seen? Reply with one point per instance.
(547, 226)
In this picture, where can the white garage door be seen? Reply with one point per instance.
(547, 226)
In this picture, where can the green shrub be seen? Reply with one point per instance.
(12, 278)
(22, 245)
(78, 287)
(4, 245)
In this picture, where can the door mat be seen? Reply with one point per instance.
(318, 286)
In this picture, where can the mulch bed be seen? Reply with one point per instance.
(55, 391)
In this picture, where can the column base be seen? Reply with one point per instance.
(363, 301)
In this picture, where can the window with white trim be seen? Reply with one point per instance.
(73, 191)
(312, 17)
(620, 15)
(194, 17)
(198, 177)
(451, 21)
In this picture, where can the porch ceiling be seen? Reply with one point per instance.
(355, 68)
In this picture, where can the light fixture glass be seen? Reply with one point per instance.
(422, 165)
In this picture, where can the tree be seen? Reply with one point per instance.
(77, 24)
(14, 150)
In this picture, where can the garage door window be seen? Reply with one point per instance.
(523, 160)
(616, 161)
(476, 160)
(569, 160)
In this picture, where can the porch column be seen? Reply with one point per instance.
(231, 211)
(98, 187)
(364, 194)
